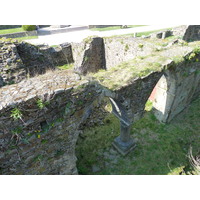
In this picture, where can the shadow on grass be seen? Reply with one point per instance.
(161, 148)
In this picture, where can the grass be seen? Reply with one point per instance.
(26, 38)
(113, 28)
(145, 33)
(66, 66)
(161, 148)
(120, 75)
(13, 30)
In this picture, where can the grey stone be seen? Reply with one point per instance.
(95, 168)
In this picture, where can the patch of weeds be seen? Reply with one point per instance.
(185, 74)
(158, 49)
(41, 104)
(164, 44)
(25, 141)
(148, 105)
(54, 46)
(178, 59)
(144, 72)
(191, 56)
(196, 50)
(126, 48)
(17, 130)
(80, 103)
(38, 158)
(43, 141)
(89, 39)
(16, 114)
(86, 58)
(141, 46)
(141, 57)
(66, 66)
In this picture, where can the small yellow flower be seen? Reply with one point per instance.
(38, 136)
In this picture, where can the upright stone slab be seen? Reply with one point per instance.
(93, 58)
(192, 33)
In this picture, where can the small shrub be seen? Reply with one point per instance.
(29, 27)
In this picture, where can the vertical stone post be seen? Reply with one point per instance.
(124, 143)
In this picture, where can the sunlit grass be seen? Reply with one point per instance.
(161, 148)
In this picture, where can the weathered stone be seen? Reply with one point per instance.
(93, 58)
(55, 106)
(95, 168)
(192, 33)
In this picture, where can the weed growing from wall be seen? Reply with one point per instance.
(16, 114)
(41, 104)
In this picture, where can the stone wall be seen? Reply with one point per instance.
(12, 69)
(20, 60)
(177, 88)
(92, 58)
(121, 49)
(42, 139)
(192, 33)
(42, 117)
(97, 53)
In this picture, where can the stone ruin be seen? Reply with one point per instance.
(42, 113)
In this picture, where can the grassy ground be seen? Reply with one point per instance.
(113, 28)
(27, 38)
(13, 30)
(161, 148)
(146, 33)
(17, 30)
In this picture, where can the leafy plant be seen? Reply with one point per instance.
(16, 114)
(41, 104)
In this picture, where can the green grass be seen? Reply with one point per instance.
(66, 66)
(13, 30)
(113, 28)
(121, 74)
(161, 148)
(146, 33)
(26, 38)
